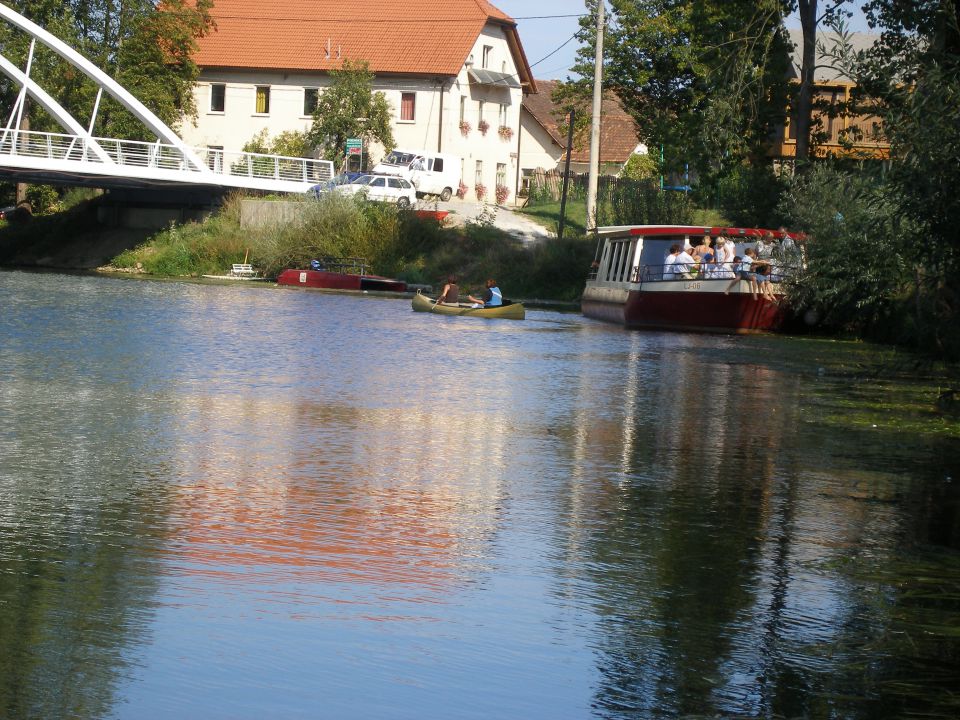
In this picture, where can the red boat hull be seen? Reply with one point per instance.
(738, 312)
(339, 281)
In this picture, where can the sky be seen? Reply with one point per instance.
(545, 26)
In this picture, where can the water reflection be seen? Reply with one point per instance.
(244, 503)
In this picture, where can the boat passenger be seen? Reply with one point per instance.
(702, 249)
(764, 271)
(669, 262)
(684, 266)
(744, 271)
(491, 297)
(723, 259)
(451, 293)
(669, 266)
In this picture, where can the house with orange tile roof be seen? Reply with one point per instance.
(453, 71)
(543, 144)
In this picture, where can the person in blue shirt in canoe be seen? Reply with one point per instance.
(491, 297)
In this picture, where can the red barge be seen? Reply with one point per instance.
(340, 274)
(629, 286)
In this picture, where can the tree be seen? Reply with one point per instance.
(350, 109)
(914, 75)
(803, 101)
(707, 80)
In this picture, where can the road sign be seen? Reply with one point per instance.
(354, 146)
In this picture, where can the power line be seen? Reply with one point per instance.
(554, 52)
(548, 17)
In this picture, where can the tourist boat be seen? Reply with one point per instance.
(628, 285)
(507, 311)
(340, 274)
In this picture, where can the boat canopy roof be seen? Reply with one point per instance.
(653, 231)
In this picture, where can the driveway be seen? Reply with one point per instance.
(517, 224)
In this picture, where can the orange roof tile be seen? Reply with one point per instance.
(618, 131)
(416, 37)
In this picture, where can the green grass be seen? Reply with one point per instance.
(548, 215)
(395, 242)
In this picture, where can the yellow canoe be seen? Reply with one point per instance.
(513, 311)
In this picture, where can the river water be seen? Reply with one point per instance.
(249, 502)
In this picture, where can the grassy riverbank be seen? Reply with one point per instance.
(395, 242)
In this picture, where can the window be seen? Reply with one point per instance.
(437, 165)
(408, 106)
(501, 174)
(502, 119)
(263, 100)
(487, 50)
(395, 183)
(463, 108)
(478, 177)
(218, 95)
(310, 98)
(378, 182)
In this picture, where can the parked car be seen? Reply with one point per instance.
(431, 173)
(386, 188)
(341, 179)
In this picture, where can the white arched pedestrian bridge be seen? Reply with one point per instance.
(78, 156)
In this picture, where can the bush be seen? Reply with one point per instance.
(750, 196)
(855, 272)
(642, 202)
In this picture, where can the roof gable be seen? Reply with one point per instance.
(618, 131)
(416, 37)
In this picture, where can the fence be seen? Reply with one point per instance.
(620, 201)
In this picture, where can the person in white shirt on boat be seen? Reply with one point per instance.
(683, 265)
(669, 262)
(723, 259)
(744, 271)
(726, 251)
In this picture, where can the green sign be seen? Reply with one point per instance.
(354, 146)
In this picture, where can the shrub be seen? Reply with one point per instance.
(502, 192)
(462, 190)
(505, 132)
(481, 191)
(465, 128)
(483, 126)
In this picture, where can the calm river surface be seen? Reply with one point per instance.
(246, 502)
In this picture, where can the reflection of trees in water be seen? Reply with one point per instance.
(679, 528)
(747, 560)
(79, 529)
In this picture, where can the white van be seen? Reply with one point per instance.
(430, 172)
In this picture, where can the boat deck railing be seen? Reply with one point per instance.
(351, 265)
(656, 273)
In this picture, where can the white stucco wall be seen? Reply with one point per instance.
(436, 118)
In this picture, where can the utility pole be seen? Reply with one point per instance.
(566, 177)
(595, 124)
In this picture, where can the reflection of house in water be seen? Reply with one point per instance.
(313, 492)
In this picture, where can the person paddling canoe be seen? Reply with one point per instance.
(491, 297)
(451, 293)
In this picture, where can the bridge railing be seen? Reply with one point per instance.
(160, 156)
